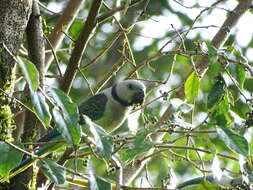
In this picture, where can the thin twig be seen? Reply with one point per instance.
(193, 148)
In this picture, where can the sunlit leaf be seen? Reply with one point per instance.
(217, 172)
(191, 87)
(10, 157)
(53, 171)
(206, 185)
(229, 49)
(103, 141)
(241, 75)
(66, 117)
(30, 72)
(40, 107)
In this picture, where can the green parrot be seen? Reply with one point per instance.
(109, 109)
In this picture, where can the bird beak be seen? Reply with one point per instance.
(138, 98)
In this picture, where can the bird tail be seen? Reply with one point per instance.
(40, 153)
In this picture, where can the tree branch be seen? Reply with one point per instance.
(80, 46)
(223, 33)
(131, 170)
(63, 24)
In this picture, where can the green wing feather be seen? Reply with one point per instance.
(94, 107)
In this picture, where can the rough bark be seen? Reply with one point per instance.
(14, 16)
(32, 126)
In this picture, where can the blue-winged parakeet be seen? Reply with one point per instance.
(109, 109)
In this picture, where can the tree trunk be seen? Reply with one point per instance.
(14, 16)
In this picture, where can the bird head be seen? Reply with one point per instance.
(129, 92)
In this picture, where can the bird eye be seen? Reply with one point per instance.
(130, 86)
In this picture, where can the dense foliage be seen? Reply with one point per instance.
(197, 117)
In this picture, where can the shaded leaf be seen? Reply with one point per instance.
(126, 5)
(30, 72)
(191, 87)
(103, 141)
(223, 119)
(10, 157)
(40, 107)
(53, 171)
(239, 56)
(211, 50)
(66, 117)
(129, 154)
(215, 68)
(97, 183)
(234, 141)
(217, 92)
(223, 106)
(142, 134)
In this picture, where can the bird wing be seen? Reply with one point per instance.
(94, 107)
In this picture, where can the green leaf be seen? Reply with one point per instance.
(185, 108)
(141, 135)
(97, 183)
(30, 72)
(214, 68)
(53, 171)
(191, 87)
(103, 141)
(206, 185)
(40, 107)
(224, 106)
(212, 51)
(239, 56)
(229, 49)
(240, 75)
(10, 157)
(234, 141)
(222, 119)
(217, 92)
(129, 154)
(180, 106)
(126, 5)
(66, 117)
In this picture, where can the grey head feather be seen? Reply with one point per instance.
(129, 92)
